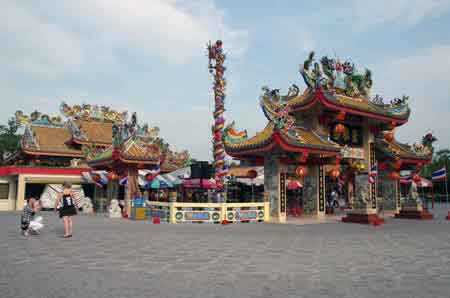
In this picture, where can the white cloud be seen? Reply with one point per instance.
(55, 39)
(406, 12)
(34, 46)
(425, 76)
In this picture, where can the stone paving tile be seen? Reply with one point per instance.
(119, 258)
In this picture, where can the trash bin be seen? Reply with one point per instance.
(138, 209)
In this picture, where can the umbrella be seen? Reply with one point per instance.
(160, 182)
(195, 183)
(182, 173)
(172, 179)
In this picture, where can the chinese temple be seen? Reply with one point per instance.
(62, 148)
(333, 135)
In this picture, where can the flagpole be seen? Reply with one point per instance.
(446, 190)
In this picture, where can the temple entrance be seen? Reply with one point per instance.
(295, 202)
(336, 198)
(301, 197)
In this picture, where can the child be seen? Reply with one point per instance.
(67, 208)
(26, 223)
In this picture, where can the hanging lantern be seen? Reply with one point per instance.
(395, 176)
(335, 173)
(389, 136)
(339, 128)
(112, 176)
(116, 154)
(149, 177)
(360, 167)
(416, 178)
(301, 171)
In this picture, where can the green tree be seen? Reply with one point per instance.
(9, 139)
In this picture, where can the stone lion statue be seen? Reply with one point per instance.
(86, 205)
(114, 209)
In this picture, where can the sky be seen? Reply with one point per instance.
(149, 56)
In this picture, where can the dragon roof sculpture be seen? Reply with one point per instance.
(92, 112)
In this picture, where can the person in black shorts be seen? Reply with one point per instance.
(67, 208)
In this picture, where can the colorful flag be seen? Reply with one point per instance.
(123, 180)
(406, 179)
(439, 175)
(373, 173)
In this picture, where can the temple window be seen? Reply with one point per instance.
(4, 191)
(351, 136)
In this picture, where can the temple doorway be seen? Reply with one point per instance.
(336, 195)
(301, 197)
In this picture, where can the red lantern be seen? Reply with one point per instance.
(339, 128)
(335, 173)
(389, 136)
(115, 154)
(301, 171)
(395, 176)
(416, 178)
(112, 176)
(149, 177)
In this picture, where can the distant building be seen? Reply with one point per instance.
(53, 150)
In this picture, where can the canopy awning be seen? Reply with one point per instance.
(195, 183)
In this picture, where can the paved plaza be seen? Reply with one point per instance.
(119, 258)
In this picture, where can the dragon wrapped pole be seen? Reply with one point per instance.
(216, 68)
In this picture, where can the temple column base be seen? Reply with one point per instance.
(415, 212)
(363, 217)
(278, 219)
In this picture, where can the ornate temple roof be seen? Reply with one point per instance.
(98, 132)
(335, 86)
(339, 85)
(174, 161)
(398, 151)
(53, 141)
(133, 151)
(88, 133)
(297, 140)
(358, 106)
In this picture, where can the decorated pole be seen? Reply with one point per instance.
(216, 56)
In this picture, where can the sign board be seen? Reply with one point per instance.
(196, 215)
(356, 153)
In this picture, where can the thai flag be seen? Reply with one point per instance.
(439, 175)
(123, 180)
(103, 178)
(406, 179)
(373, 173)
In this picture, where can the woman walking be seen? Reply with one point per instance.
(65, 204)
